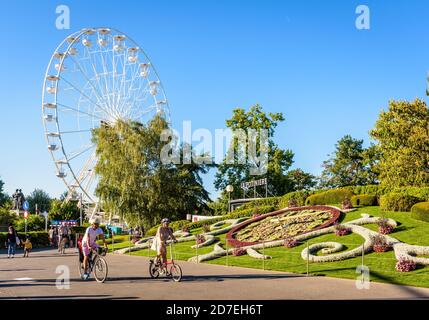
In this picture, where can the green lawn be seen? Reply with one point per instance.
(381, 265)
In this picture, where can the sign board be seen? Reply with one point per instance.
(45, 214)
(66, 222)
(26, 205)
(254, 183)
(25, 214)
(196, 218)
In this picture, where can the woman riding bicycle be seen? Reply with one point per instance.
(89, 241)
(163, 234)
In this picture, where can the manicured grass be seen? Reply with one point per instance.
(381, 265)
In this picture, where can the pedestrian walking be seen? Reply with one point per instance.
(12, 241)
(52, 236)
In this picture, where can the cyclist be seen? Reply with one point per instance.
(163, 234)
(89, 241)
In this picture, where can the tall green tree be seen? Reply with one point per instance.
(64, 210)
(349, 165)
(402, 133)
(135, 182)
(300, 180)
(234, 169)
(3, 196)
(41, 199)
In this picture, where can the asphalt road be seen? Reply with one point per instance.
(36, 277)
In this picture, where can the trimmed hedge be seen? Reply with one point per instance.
(334, 196)
(38, 238)
(420, 211)
(298, 197)
(271, 201)
(398, 202)
(364, 200)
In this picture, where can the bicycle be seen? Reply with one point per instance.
(172, 269)
(96, 264)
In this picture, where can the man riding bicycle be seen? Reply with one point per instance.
(163, 234)
(89, 241)
(63, 234)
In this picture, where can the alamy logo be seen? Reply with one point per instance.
(362, 22)
(63, 20)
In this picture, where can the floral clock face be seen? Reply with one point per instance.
(282, 225)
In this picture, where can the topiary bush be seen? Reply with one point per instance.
(420, 211)
(398, 202)
(333, 196)
(271, 201)
(364, 200)
(296, 198)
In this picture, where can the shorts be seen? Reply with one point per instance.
(86, 248)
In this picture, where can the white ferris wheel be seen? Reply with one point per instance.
(94, 76)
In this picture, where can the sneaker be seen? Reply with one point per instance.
(8, 256)
(85, 276)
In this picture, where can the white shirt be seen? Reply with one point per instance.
(91, 235)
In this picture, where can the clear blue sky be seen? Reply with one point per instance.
(303, 58)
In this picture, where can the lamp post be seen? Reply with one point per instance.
(45, 214)
(80, 210)
(229, 189)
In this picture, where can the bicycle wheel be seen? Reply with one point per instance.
(153, 270)
(176, 272)
(100, 270)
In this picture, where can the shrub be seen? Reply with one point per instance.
(240, 213)
(420, 211)
(206, 227)
(333, 196)
(384, 227)
(185, 229)
(296, 198)
(179, 224)
(271, 201)
(346, 204)
(398, 202)
(199, 239)
(341, 230)
(405, 265)
(364, 200)
(379, 244)
(38, 238)
(372, 189)
(34, 223)
(290, 242)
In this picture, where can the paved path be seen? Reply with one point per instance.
(129, 279)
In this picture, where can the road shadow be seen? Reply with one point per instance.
(414, 292)
(222, 277)
(19, 270)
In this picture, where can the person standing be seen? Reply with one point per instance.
(51, 236)
(11, 241)
(27, 246)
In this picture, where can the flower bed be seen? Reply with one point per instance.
(405, 265)
(379, 244)
(384, 227)
(282, 224)
(291, 242)
(238, 252)
(341, 230)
